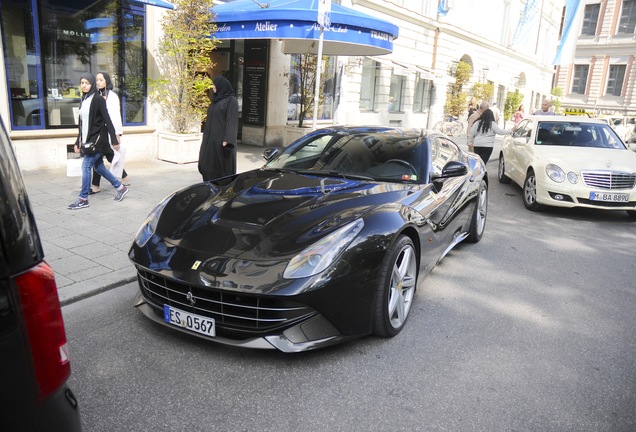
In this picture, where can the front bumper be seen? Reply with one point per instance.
(315, 332)
(552, 194)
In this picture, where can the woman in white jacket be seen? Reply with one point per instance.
(105, 89)
(483, 133)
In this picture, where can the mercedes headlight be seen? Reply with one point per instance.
(555, 173)
(323, 253)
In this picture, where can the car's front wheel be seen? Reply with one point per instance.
(530, 191)
(501, 171)
(478, 221)
(396, 288)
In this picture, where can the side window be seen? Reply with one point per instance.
(524, 130)
(442, 151)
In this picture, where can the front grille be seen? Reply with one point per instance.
(609, 179)
(233, 311)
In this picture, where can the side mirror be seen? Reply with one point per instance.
(270, 153)
(453, 169)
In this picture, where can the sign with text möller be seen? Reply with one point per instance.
(255, 82)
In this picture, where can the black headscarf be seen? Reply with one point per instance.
(109, 84)
(223, 89)
(91, 79)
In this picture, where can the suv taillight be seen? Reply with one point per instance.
(45, 327)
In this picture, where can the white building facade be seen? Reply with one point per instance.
(509, 43)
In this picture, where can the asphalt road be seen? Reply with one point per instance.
(532, 329)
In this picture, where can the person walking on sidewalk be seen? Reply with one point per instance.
(217, 156)
(94, 127)
(105, 89)
(483, 132)
(471, 120)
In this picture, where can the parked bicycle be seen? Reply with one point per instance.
(451, 126)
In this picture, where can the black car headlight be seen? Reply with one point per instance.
(323, 253)
(150, 224)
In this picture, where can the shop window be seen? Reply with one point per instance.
(615, 80)
(58, 45)
(368, 85)
(396, 92)
(302, 77)
(422, 97)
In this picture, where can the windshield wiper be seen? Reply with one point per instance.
(334, 173)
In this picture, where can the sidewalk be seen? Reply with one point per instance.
(88, 248)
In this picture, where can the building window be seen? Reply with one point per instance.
(421, 99)
(396, 92)
(590, 19)
(302, 81)
(615, 80)
(580, 78)
(368, 85)
(627, 23)
(48, 50)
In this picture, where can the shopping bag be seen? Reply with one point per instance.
(74, 167)
(117, 164)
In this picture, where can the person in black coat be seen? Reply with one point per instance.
(217, 156)
(94, 127)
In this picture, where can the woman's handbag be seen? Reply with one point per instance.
(89, 148)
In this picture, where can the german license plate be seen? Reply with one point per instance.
(611, 197)
(190, 321)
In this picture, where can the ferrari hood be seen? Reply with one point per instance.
(265, 213)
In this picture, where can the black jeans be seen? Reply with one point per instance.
(109, 157)
(484, 153)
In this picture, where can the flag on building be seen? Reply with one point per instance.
(442, 8)
(574, 12)
(526, 21)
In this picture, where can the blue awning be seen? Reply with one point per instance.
(159, 3)
(295, 22)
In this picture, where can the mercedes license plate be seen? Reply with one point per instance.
(611, 197)
(190, 321)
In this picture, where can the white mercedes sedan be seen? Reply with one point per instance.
(568, 161)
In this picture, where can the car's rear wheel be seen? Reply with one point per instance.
(530, 191)
(478, 221)
(396, 288)
(501, 171)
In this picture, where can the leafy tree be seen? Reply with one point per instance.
(513, 100)
(456, 98)
(183, 57)
(557, 92)
(483, 91)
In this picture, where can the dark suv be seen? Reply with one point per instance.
(34, 363)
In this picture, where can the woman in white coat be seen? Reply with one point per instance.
(105, 89)
(483, 133)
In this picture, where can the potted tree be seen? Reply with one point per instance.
(181, 92)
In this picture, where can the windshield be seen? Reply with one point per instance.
(380, 156)
(577, 134)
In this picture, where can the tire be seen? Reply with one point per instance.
(438, 126)
(501, 171)
(530, 191)
(395, 291)
(478, 220)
